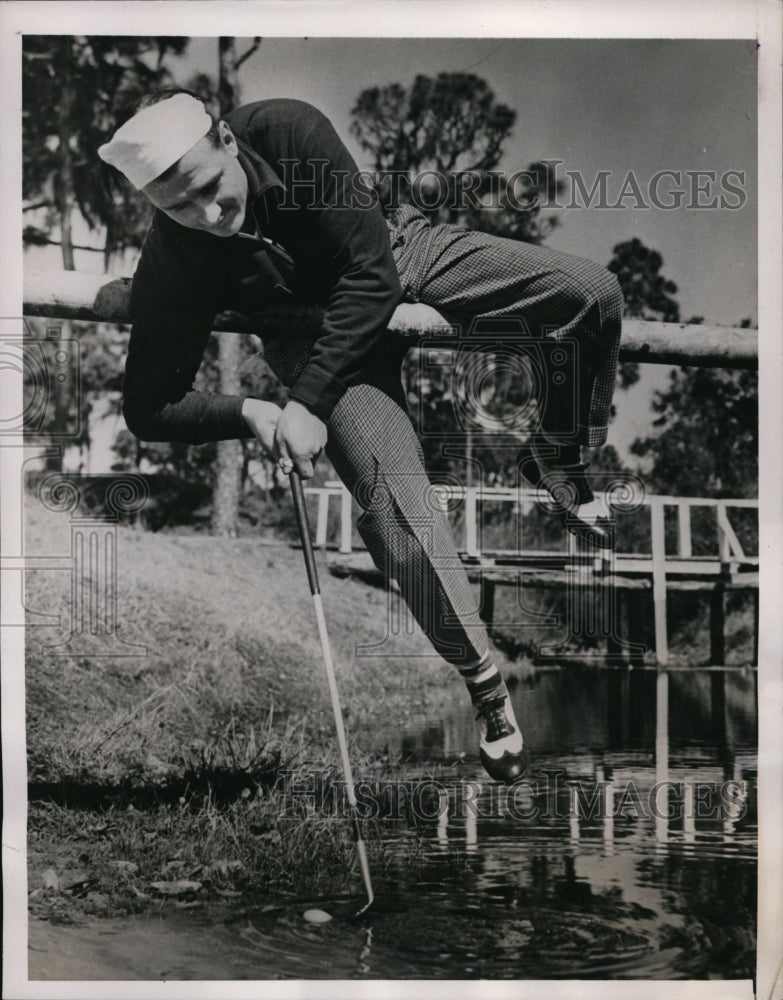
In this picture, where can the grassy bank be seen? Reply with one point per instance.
(166, 774)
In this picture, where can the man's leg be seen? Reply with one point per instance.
(535, 293)
(376, 453)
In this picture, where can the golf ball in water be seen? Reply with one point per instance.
(316, 916)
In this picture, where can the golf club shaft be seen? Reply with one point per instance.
(326, 650)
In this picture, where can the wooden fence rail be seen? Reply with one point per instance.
(103, 298)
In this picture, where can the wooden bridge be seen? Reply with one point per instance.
(659, 570)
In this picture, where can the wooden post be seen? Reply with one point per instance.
(323, 518)
(228, 458)
(487, 599)
(659, 581)
(614, 648)
(227, 489)
(684, 525)
(730, 548)
(608, 809)
(618, 636)
(723, 540)
(105, 298)
(717, 626)
(662, 754)
(346, 524)
(637, 625)
(688, 813)
(471, 525)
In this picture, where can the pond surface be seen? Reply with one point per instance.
(629, 852)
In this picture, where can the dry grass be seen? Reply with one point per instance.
(230, 636)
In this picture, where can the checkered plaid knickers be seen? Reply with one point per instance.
(466, 275)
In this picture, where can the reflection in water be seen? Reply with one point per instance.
(662, 756)
(630, 849)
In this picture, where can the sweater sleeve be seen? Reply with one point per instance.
(172, 314)
(366, 288)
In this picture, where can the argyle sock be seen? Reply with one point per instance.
(482, 680)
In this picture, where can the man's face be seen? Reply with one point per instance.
(207, 189)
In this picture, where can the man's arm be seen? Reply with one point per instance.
(365, 287)
(172, 309)
(322, 181)
(159, 403)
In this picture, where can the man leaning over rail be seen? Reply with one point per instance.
(248, 211)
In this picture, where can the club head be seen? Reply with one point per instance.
(366, 907)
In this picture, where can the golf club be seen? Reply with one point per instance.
(312, 576)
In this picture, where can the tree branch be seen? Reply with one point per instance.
(246, 55)
(58, 243)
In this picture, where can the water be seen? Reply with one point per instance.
(630, 851)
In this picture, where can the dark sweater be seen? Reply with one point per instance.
(339, 256)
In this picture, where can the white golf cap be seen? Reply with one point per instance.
(156, 137)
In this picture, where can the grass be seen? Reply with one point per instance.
(175, 766)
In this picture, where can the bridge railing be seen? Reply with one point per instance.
(660, 566)
(730, 552)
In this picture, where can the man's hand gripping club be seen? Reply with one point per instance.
(294, 435)
(299, 440)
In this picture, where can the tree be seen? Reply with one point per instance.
(446, 135)
(647, 294)
(448, 123)
(72, 88)
(708, 417)
(222, 467)
(225, 507)
(707, 443)
(71, 85)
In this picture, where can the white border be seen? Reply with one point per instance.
(437, 18)
(770, 811)
(396, 18)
